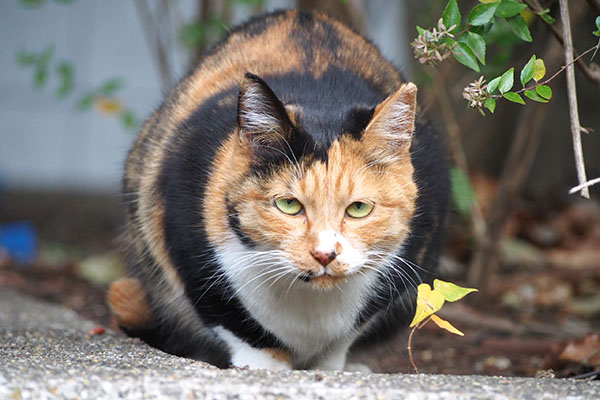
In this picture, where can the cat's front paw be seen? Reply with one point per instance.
(357, 367)
(270, 358)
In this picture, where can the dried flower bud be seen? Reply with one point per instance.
(429, 47)
(476, 94)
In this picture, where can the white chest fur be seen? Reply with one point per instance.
(306, 319)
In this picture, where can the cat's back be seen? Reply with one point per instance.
(287, 49)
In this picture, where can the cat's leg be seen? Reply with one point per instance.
(334, 357)
(244, 355)
(135, 315)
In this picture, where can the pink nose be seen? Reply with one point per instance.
(323, 258)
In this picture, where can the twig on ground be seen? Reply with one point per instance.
(572, 95)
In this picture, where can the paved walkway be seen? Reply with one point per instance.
(46, 353)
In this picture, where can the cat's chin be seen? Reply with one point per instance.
(326, 281)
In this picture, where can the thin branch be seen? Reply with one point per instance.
(584, 185)
(592, 72)
(155, 43)
(572, 95)
(595, 48)
(458, 153)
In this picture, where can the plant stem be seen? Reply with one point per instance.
(155, 42)
(409, 348)
(572, 95)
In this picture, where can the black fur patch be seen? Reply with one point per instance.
(234, 223)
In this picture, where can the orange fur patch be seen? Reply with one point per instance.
(279, 354)
(129, 303)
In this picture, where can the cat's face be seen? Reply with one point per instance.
(332, 216)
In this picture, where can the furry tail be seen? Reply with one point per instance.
(134, 313)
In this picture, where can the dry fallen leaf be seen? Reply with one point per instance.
(584, 351)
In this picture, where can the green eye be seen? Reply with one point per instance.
(359, 209)
(288, 205)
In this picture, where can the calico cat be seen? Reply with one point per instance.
(282, 203)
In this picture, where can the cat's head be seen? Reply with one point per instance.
(328, 211)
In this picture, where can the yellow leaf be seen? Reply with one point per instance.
(442, 323)
(450, 291)
(539, 70)
(487, 1)
(108, 105)
(428, 302)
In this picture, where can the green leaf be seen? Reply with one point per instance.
(597, 32)
(464, 55)
(493, 85)
(129, 119)
(477, 44)
(110, 86)
(85, 102)
(546, 17)
(544, 91)
(463, 194)
(514, 97)
(192, 35)
(527, 71)
(40, 78)
(32, 3)
(45, 56)
(490, 104)
(26, 59)
(420, 30)
(450, 291)
(519, 27)
(451, 15)
(481, 14)
(533, 95)
(509, 8)
(65, 76)
(507, 81)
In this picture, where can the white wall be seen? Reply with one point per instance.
(44, 142)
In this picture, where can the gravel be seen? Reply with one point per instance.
(46, 352)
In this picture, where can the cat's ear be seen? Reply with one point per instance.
(393, 123)
(263, 122)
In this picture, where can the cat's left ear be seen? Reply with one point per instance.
(263, 122)
(393, 122)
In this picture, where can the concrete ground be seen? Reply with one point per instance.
(46, 352)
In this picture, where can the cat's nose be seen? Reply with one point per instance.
(322, 257)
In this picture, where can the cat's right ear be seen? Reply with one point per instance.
(263, 123)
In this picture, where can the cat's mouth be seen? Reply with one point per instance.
(323, 281)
